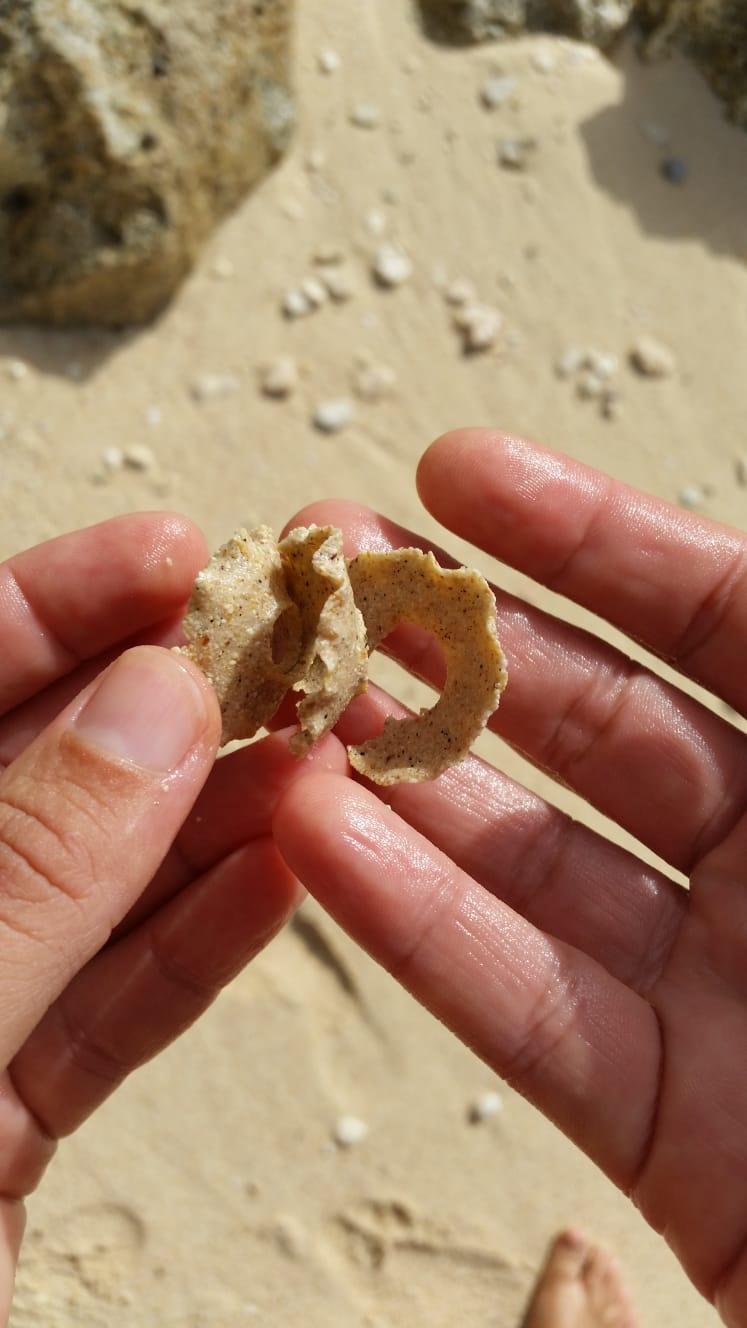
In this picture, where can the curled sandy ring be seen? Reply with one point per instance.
(458, 606)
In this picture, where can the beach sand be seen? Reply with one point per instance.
(209, 1193)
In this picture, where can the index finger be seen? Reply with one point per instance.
(675, 582)
(71, 598)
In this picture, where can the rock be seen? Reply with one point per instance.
(279, 376)
(338, 282)
(589, 386)
(512, 154)
(673, 170)
(692, 497)
(652, 358)
(463, 21)
(372, 380)
(139, 457)
(713, 32)
(480, 326)
(603, 363)
(570, 362)
(214, 386)
(332, 416)
(16, 370)
(295, 304)
(314, 292)
(460, 291)
(391, 266)
(349, 1130)
(497, 90)
(130, 129)
(328, 61)
(486, 1105)
(365, 115)
(112, 459)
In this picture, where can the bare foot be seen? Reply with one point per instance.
(580, 1286)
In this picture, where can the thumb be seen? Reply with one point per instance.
(87, 813)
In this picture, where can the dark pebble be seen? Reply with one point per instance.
(674, 170)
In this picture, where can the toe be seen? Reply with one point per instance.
(567, 1256)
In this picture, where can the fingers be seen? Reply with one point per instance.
(674, 581)
(559, 875)
(73, 597)
(22, 724)
(632, 745)
(138, 995)
(87, 812)
(235, 806)
(576, 1042)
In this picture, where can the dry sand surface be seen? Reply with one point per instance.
(209, 1192)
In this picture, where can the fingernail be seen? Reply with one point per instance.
(147, 709)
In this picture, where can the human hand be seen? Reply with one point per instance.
(124, 904)
(604, 992)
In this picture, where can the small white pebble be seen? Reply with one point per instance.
(391, 265)
(334, 415)
(169, 561)
(570, 362)
(316, 160)
(480, 326)
(112, 458)
(16, 370)
(279, 377)
(460, 291)
(740, 467)
(365, 115)
(512, 155)
(589, 386)
(496, 90)
(339, 283)
(295, 304)
(214, 386)
(139, 457)
(657, 134)
(349, 1130)
(375, 222)
(328, 61)
(604, 363)
(543, 60)
(652, 358)
(326, 255)
(485, 1106)
(372, 381)
(222, 269)
(692, 497)
(153, 416)
(314, 292)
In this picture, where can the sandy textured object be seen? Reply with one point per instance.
(244, 631)
(334, 660)
(459, 608)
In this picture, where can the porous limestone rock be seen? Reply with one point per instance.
(128, 129)
(713, 32)
(461, 21)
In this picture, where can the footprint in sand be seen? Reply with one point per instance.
(84, 1263)
(396, 1257)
